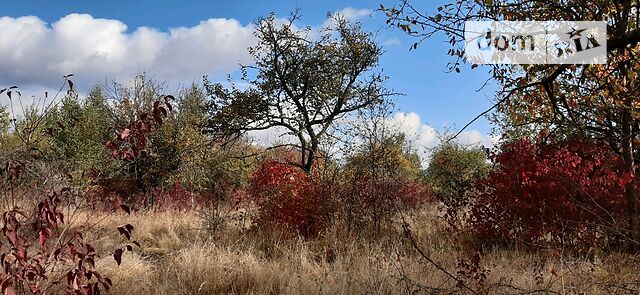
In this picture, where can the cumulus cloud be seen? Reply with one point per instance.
(420, 134)
(348, 13)
(351, 13)
(34, 53)
(424, 137)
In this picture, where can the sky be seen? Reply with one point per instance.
(180, 41)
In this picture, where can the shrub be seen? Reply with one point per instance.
(289, 199)
(369, 202)
(452, 173)
(42, 255)
(43, 251)
(176, 197)
(413, 194)
(569, 192)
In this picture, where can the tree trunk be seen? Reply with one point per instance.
(629, 167)
(628, 138)
(307, 165)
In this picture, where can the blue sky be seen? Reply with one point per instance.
(433, 98)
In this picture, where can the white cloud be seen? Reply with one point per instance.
(351, 13)
(474, 137)
(392, 42)
(272, 136)
(33, 53)
(421, 135)
(424, 137)
(348, 13)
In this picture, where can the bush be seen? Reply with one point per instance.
(176, 197)
(370, 203)
(413, 194)
(288, 199)
(452, 173)
(38, 257)
(569, 192)
(45, 251)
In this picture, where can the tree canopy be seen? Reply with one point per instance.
(598, 101)
(300, 83)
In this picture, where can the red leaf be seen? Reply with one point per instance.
(163, 110)
(128, 155)
(12, 236)
(124, 232)
(156, 116)
(125, 133)
(169, 106)
(22, 252)
(9, 291)
(44, 234)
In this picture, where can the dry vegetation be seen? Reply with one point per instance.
(180, 256)
(99, 191)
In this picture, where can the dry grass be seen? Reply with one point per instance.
(180, 257)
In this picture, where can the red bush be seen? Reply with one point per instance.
(289, 199)
(371, 202)
(566, 192)
(412, 194)
(176, 197)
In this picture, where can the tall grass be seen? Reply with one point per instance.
(179, 256)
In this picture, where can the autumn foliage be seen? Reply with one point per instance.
(41, 257)
(368, 202)
(132, 139)
(289, 199)
(568, 192)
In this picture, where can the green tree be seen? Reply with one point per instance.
(177, 150)
(4, 121)
(205, 163)
(389, 157)
(7, 143)
(301, 84)
(159, 158)
(79, 130)
(453, 170)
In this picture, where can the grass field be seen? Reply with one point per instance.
(179, 255)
